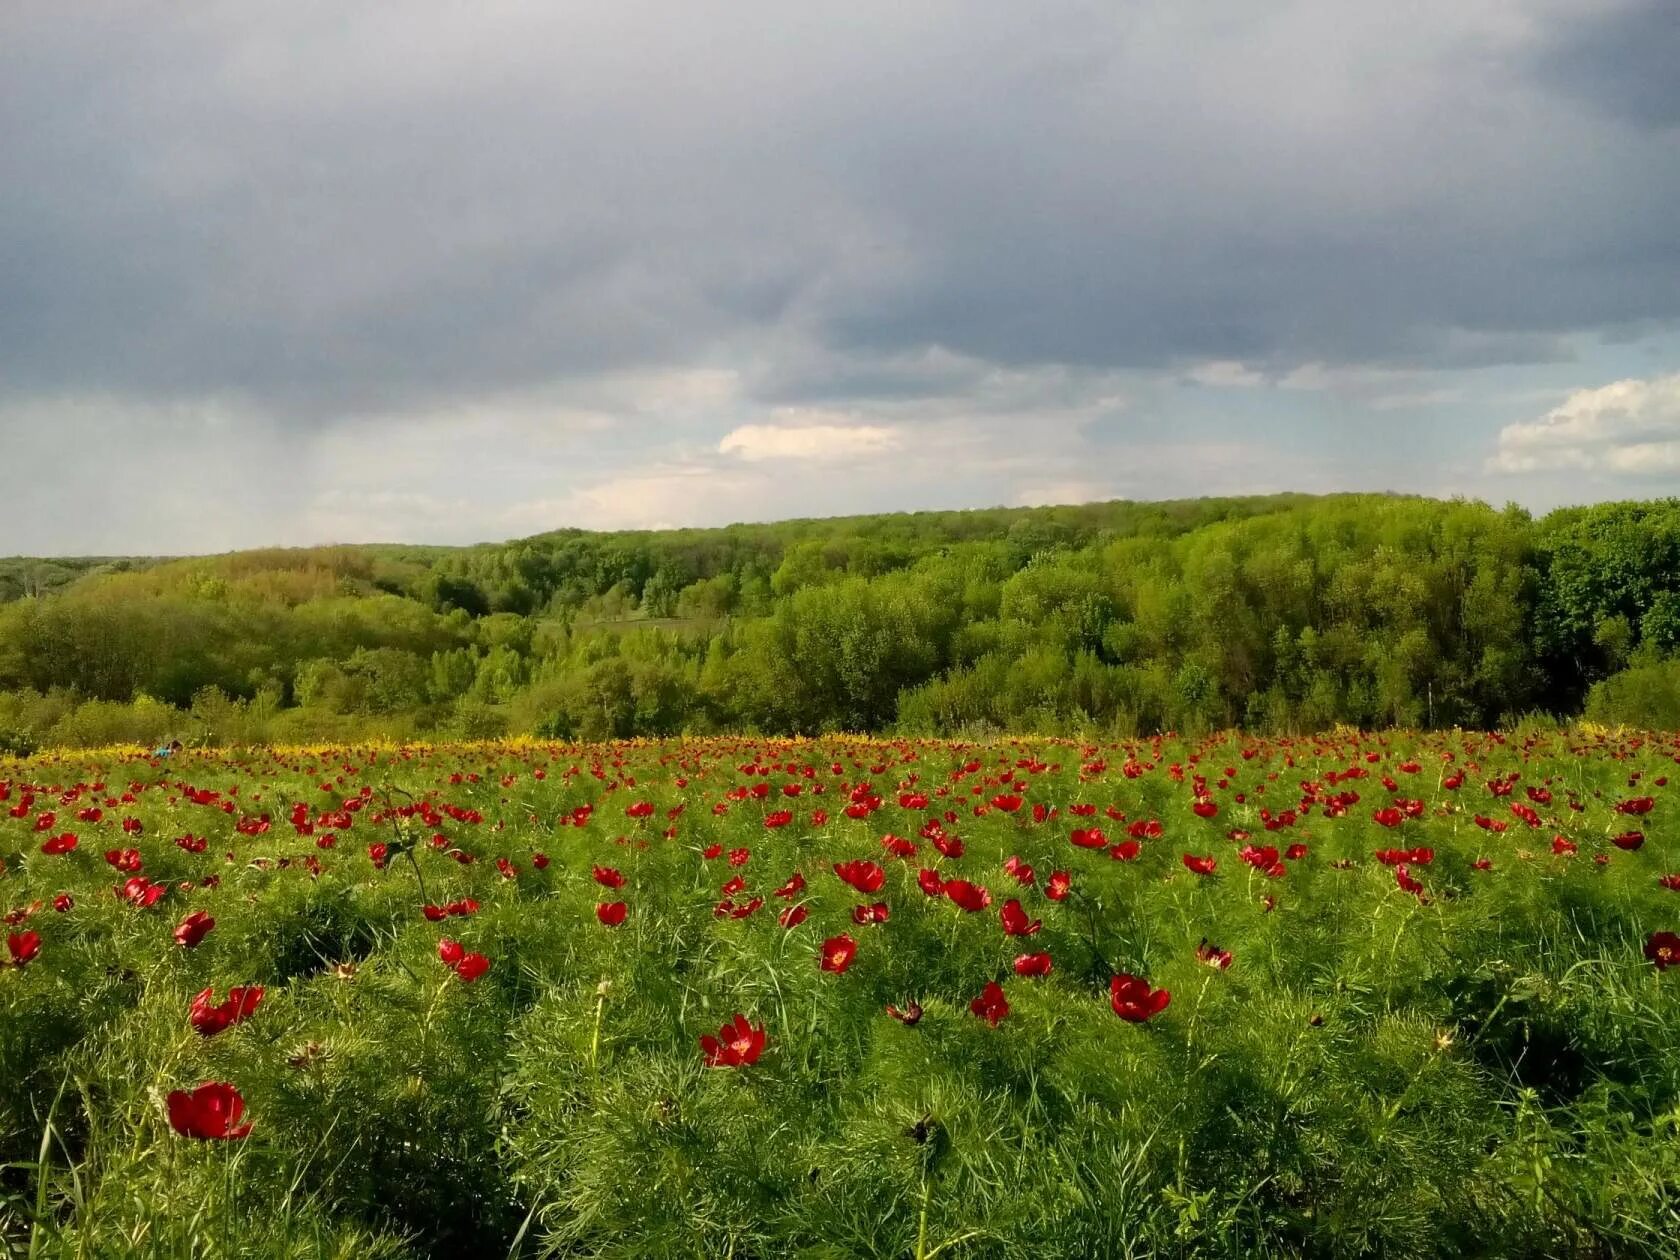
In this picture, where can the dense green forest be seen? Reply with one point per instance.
(1282, 613)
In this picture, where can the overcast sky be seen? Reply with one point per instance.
(447, 272)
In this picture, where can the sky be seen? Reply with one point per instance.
(445, 272)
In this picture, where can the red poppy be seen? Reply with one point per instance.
(778, 818)
(60, 844)
(608, 877)
(991, 1005)
(861, 874)
(1057, 886)
(837, 953)
(737, 1044)
(209, 1019)
(1008, 802)
(1200, 865)
(1212, 956)
(1022, 872)
(1014, 920)
(929, 882)
(793, 916)
(794, 886)
(1628, 840)
(1134, 1001)
(1126, 851)
(640, 809)
(970, 897)
(193, 929)
(23, 946)
(611, 913)
(450, 952)
(1663, 949)
(1088, 837)
(1033, 965)
(211, 1112)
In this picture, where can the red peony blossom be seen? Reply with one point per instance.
(1007, 802)
(793, 916)
(1670, 882)
(861, 874)
(210, 1112)
(471, 967)
(1033, 965)
(23, 946)
(611, 913)
(970, 897)
(64, 903)
(865, 915)
(738, 1044)
(991, 1005)
(450, 952)
(192, 929)
(837, 953)
(1134, 1001)
(608, 877)
(778, 818)
(1014, 920)
(794, 886)
(65, 843)
(640, 809)
(209, 1019)
(929, 882)
(1212, 956)
(1088, 837)
(1126, 851)
(1663, 949)
(1628, 840)
(1200, 865)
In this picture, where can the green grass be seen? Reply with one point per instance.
(1487, 1068)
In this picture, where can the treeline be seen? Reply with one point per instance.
(1282, 613)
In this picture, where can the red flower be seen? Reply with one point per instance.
(23, 946)
(611, 913)
(739, 857)
(837, 953)
(929, 882)
(607, 877)
(991, 1005)
(862, 875)
(778, 818)
(910, 1016)
(450, 952)
(210, 1019)
(1057, 886)
(210, 1112)
(1008, 803)
(1033, 965)
(64, 903)
(1670, 882)
(1201, 865)
(877, 913)
(1134, 1001)
(1628, 840)
(969, 896)
(794, 886)
(1126, 851)
(641, 809)
(471, 967)
(193, 929)
(1213, 956)
(1663, 949)
(1089, 837)
(1563, 846)
(793, 916)
(737, 1044)
(1014, 920)
(1404, 881)
(60, 844)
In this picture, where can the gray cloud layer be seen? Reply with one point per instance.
(325, 212)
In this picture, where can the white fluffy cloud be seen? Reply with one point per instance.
(1630, 426)
(799, 439)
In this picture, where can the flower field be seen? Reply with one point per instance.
(1393, 993)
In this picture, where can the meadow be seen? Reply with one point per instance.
(1400, 994)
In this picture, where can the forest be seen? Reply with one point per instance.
(1279, 614)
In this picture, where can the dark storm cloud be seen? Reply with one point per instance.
(1624, 58)
(333, 209)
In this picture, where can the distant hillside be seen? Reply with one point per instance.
(1282, 612)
